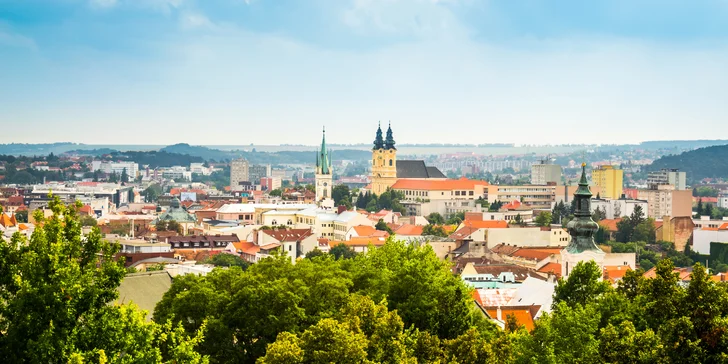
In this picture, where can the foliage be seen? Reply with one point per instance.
(88, 220)
(341, 195)
(22, 216)
(276, 193)
(342, 251)
(152, 193)
(599, 214)
(55, 291)
(169, 225)
(434, 230)
(584, 285)
(559, 213)
(435, 218)
(543, 219)
(636, 227)
(709, 162)
(495, 206)
(228, 260)
(315, 253)
(455, 219)
(382, 226)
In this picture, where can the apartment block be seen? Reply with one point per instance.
(609, 180)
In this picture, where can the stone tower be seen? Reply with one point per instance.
(384, 162)
(582, 229)
(324, 172)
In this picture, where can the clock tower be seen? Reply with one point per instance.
(324, 172)
(384, 162)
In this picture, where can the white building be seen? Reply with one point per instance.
(617, 208)
(543, 174)
(199, 168)
(239, 172)
(723, 200)
(702, 238)
(672, 177)
(132, 169)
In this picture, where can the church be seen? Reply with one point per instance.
(324, 173)
(386, 169)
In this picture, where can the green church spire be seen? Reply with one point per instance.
(389, 143)
(379, 141)
(323, 159)
(582, 227)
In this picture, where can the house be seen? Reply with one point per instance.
(346, 220)
(361, 245)
(365, 231)
(294, 242)
(201, 242)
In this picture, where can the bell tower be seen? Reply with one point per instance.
(324, 172)
(384, 162)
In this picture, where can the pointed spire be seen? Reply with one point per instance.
(389, 143)
(323, 160)
(582, 227)
(379, 141)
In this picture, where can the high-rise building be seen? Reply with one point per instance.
(324, 172)
(663, 177)
(239, 172)
(609, 180)
(667, 201)
(256, 172)
(543, 174)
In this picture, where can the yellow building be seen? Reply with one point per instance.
(609, 180)
(384, 162)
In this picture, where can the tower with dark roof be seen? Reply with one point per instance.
(582, 229)
(324, 172)
(384, 162)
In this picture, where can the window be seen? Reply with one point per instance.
(290, 222)
(390, 162)
(290, 247)
(274, 222)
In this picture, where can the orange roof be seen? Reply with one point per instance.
(360, 241)
(22, 226)
(270, 246)
(463, 233)
(684, 273)
(476, 297)
(709, 228)
(538, 253)
(724, 226)
(553, 268)
(487, 224)
(522, 315)
(512, 206)
(615, 272)
(409, 229)
(364, 230)
(610, 224)
(7, 220)
(430, 184)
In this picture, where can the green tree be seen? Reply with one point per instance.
(382, 226)
(435, 218)
(341, 195)
(495, 206)
(228, 260)
(456, 218)
(88, 221)
(434, 230)
(124, 176)
(55, 291)
(543, 219)
(276, 193)
(22, 216)
(342, 251)
(152, 192)
(583, 285)
(315, 253)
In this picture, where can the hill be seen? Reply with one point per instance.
(709, 162)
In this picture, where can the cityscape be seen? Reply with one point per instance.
(171, 224)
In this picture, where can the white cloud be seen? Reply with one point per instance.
(191, 20)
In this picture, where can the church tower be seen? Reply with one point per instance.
(324, 172)
(384, 162)
(582, 229)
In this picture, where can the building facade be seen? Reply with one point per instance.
(543, 174)
(239, 172)
(257, 172)
(666, 201)
(609, 180)
(132, 169)
(538, 197)
(324, 172)
(384, 162)
(672, 177)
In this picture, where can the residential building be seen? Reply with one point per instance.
(70, 192)
(543, 174)
(610, 181)
(239, 172)
(177, 173)
(294, 243)
(706, 237)
(175, 212)
(199, 168)
(620, 207)
(446, 197)
(723, 200)
(324, 172)
(136, 250)
(132, 169)
(346, 220)
(535, 197)
(201, 242)
(386, 170)
(662, 177)
(270, 183)
(666, 201)
(257, 172)
(565, 193)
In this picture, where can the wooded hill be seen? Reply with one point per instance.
(709, 162)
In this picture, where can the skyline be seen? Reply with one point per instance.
(158, 72)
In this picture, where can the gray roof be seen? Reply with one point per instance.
(417, 169)
(144, 289)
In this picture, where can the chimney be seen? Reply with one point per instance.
(499, 314)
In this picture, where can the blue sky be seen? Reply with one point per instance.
(275, 71)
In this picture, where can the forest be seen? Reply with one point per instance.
(709, 162)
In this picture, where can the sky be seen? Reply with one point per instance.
(236, 72)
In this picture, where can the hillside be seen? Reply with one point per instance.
(709, 162)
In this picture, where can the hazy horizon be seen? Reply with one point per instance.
(235, 72)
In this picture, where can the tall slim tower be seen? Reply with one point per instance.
(384, 162)
(324, 172)
(582, 229)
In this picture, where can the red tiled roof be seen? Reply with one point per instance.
(361, 241)
(430, 184)
(610, 224)
(504, 249)
(522, 314)
(724, 226)
(409, 229)
(364, 230)
(487, 224)
(270, 246)
(684, 273)
(535, 253)
(512, 206)
(463, 233)
(614, 273)
(553, 268)
(7, 220)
